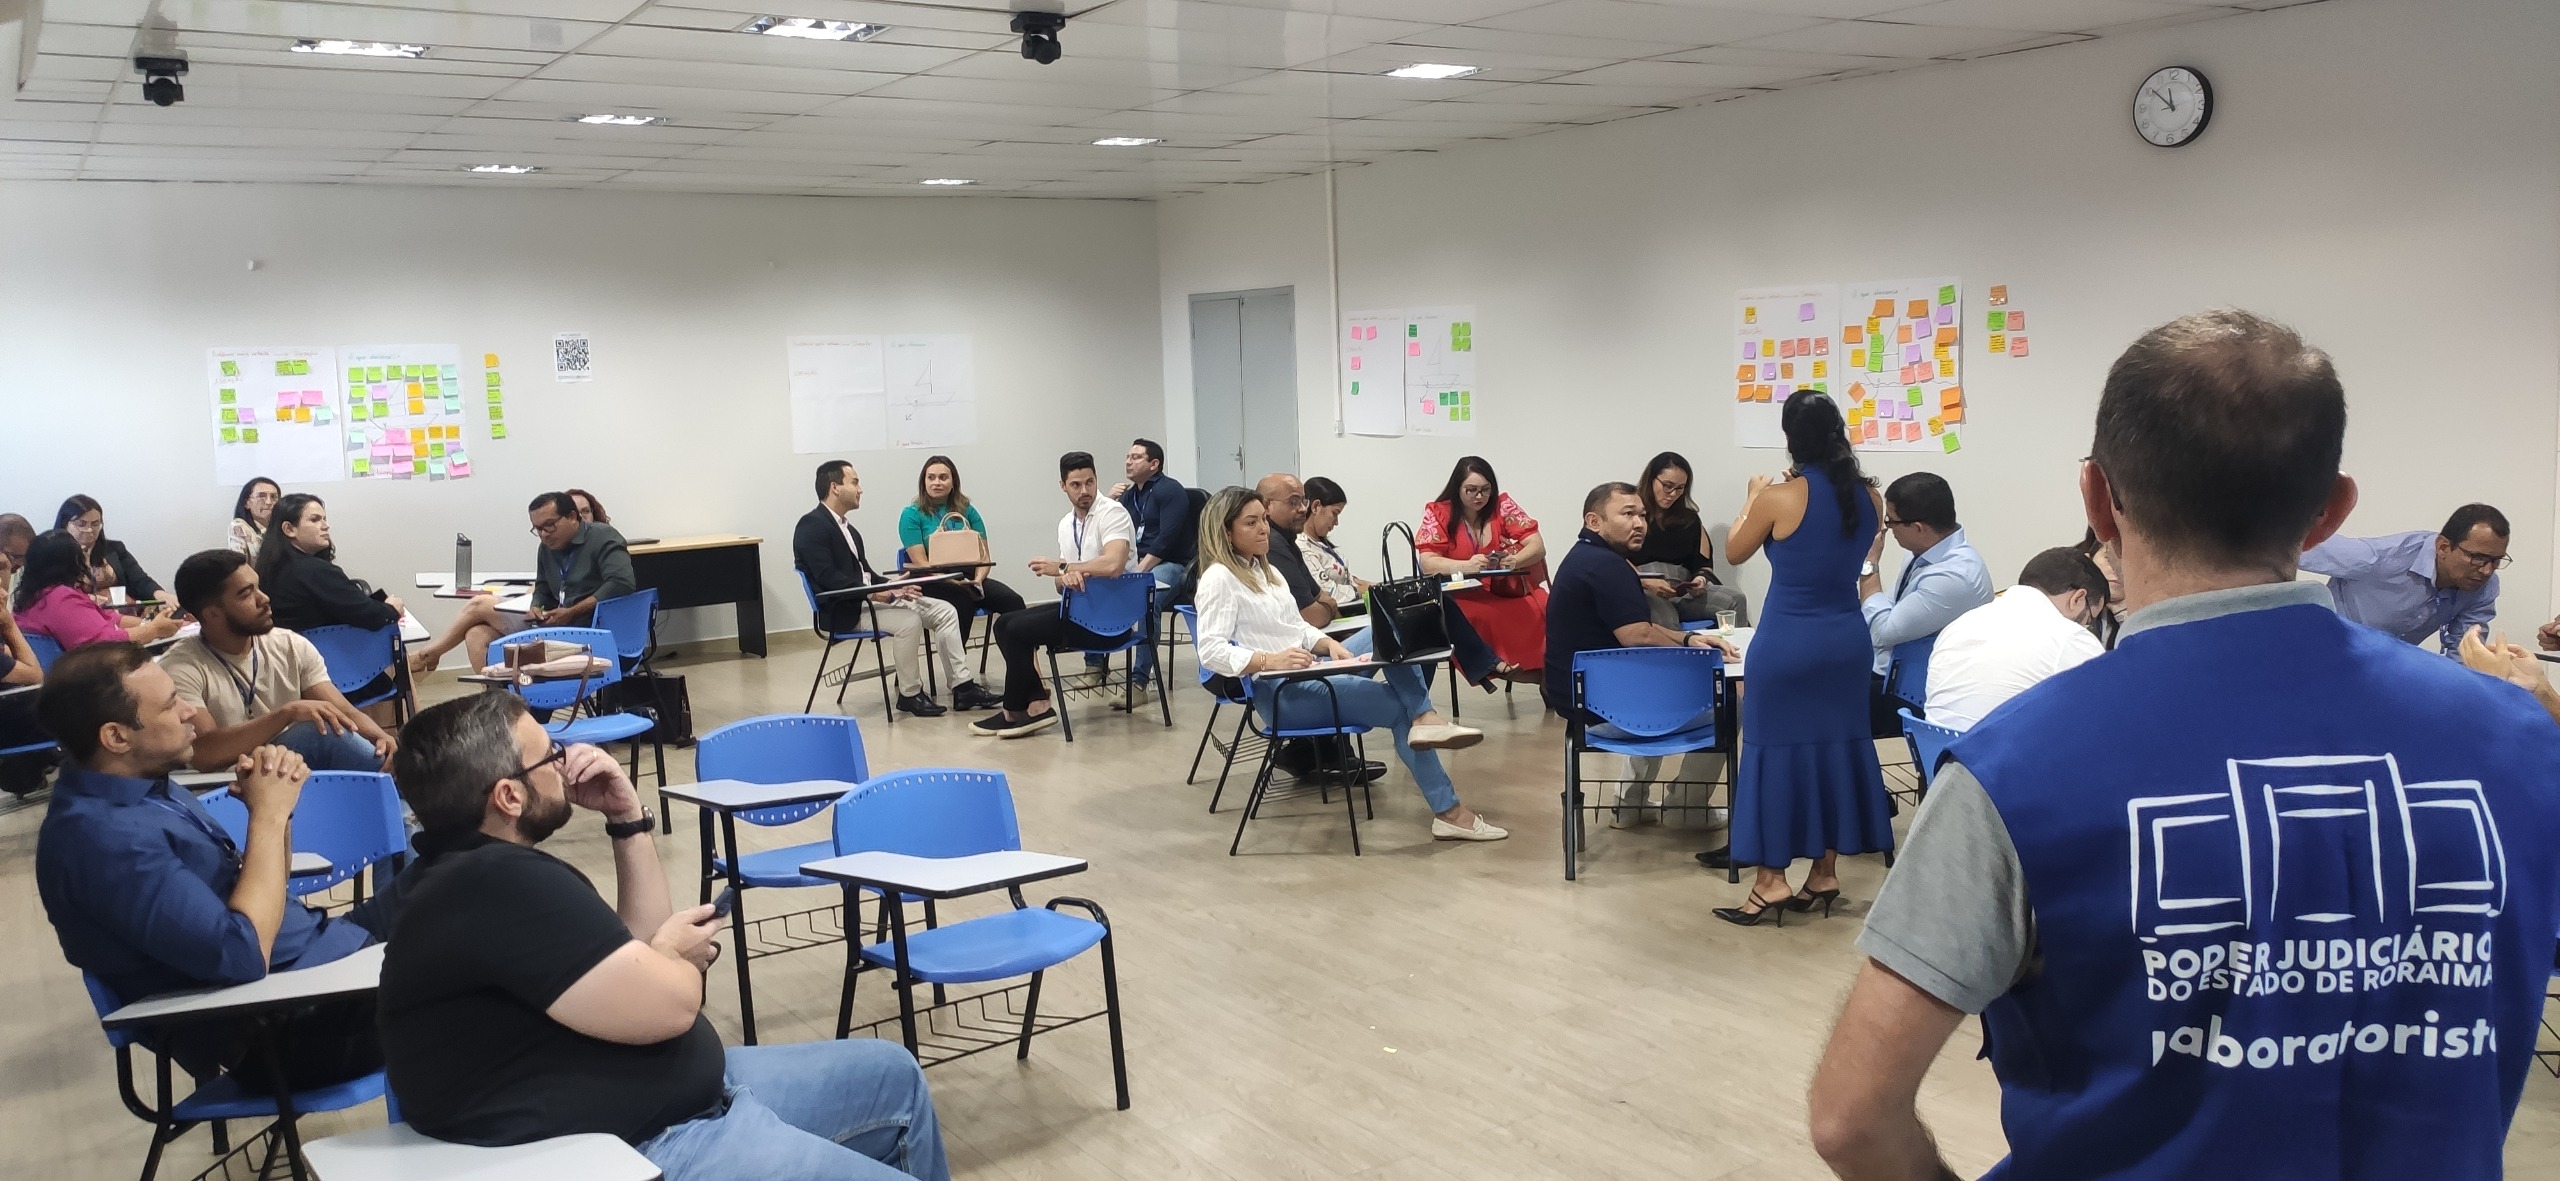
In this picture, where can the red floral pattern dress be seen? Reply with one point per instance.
(1514, 625)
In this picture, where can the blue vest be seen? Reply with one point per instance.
(2294, 905)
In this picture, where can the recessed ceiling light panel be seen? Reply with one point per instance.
(946, 180)
(1125, 141)
(812, 29)
(622, 120)
(505, 169)
(359, 48)
(1434, 71)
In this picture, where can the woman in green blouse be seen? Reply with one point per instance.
(940, 505)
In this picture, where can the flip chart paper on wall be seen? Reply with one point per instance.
(932, 390)
(417, 395)
(1440, 371)
(1373, 400)
(285, 446)
(839, 394)
(1925, 317)
(1757, 313)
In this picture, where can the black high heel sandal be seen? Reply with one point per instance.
(1774, 911)
(1807, 900)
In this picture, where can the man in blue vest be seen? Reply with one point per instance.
(2290, 917)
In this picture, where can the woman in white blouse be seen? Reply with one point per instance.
(1334, 579)
(1249, 624)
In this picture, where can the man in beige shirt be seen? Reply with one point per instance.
(259, 684)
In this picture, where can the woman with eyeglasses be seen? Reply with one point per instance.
(106, 563)
(52, 599)
(1807, 785)
(2419, 584)
(1680, 581)
(250, 513)
(1474, 527)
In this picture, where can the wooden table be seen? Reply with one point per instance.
(706, 571)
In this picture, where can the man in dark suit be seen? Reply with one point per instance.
(827, 548)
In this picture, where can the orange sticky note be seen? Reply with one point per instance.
(1853, 334)
(1946, 336)
(1787, 369)
(1761, 393)
(1917, 309)
(1951, 396)
(1999, 294)
(1858, 393)
(1883, 311)
(1742, 393)
(1902, 334)
(488, 360)
(1952, 414)
(1742, 373)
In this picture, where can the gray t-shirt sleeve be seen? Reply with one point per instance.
(1952, 917)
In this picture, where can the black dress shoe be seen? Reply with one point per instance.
(920, 705)
(973, 696)
(1717, 858)
(1370, 771)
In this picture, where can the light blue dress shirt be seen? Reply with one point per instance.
(2389, 583)
(1945, 581)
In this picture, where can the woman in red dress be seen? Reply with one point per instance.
(1472, 528)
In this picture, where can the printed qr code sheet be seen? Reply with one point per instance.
(571, 358)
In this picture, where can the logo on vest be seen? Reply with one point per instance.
(2315, 875)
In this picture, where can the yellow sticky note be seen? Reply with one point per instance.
(1946, 369)
(1999, 342)
(1750, 314)
(302, 414)
(1857, 358)
(414, 389)
(417, 405)
(488, 360)
(1937, 426)
(1822, 369)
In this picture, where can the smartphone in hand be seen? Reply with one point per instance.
(726, 902)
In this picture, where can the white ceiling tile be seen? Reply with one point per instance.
(1884, 39)
(714, 75)
(609, 96)
(1664, 24)
(1691, 76)
(1096, 71)
(2045, 16)
(705, 45)
(1824, 9)
(1447, 12)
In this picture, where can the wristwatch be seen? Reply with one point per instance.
(1866, 569)
(621, 830)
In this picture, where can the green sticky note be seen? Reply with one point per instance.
(493, 379)
(356, 412)
(230, 414)
(364, 467)
(355, 373)
(1914, 393)
(421, 468)
(230, 434)
(497, 430)
(495, 396)
(435, 450)
(493, 409)
(1413, 331)
(372, 374)
(1997, 320)
(381, 408)
(1952, 445)
(1820, 387)
(231, 369)
(284, 368)
(1947, 294)
(248, 434)
(499, 413)
(230, 396)
(1875, 360)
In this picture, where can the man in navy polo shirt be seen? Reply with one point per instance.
(1596, 600)
(2292, 916)
(150, 895)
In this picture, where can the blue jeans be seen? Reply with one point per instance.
(811, 1111)
(1401, 693)
(343, 751)
(1142, 659)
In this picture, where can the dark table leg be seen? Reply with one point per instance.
(751, 618)
(738, 931)
(267, 1033)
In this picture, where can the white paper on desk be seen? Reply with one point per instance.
(516, 604)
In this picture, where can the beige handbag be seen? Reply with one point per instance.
(955, 545)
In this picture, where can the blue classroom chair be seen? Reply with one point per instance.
(1650, 702)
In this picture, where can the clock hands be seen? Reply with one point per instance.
(2165, 100)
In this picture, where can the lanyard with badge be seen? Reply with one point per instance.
(1078, 527)
(248, 686)
(195, 817)
(565, 559)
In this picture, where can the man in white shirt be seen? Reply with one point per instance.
(1095, 539)
(2029, 632)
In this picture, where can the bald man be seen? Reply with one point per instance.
(1284, 499)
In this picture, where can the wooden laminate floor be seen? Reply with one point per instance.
(1425, 1011)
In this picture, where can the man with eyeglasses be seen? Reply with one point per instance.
(1944, 579)
(2419, 584)
(517, 1005)
(579, 565)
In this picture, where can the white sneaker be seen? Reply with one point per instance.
(1443, 736)
(1137, 699)
(1442, 830)
(1631, 810)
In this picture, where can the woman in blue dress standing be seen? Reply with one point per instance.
(1808, 785)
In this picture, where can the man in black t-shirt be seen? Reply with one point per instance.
(517, 1006)
(1595, 601)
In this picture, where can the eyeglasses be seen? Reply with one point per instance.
(543, 527)
(1475, 490)
(1671, 489)
(1896, 522)
(559, 754)
(2484, 561)
(1298, 502)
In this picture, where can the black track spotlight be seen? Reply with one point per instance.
(160, 79)
(1040, 34)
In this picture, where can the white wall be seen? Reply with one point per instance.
(2383, 174)
(110, 294)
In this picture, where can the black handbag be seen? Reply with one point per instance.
(658, 696)
(1404, 613)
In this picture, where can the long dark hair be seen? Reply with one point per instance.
(79, 505)
(53, 559)
(959, 502)
(593, 505)
(240, 507)
(276, 547)
(1469, 464)
(1683, 513)
(1817, 437)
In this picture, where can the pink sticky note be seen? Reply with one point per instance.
(248, 414)
(1805, 312)
(1373, 332)
(1355, 363)
(1769, 371)
(314, 398)
(458, 468)
(1429, 406)
(2017, 346)
(399, 436)
(1750, 350)
(2017, 321)
(1822, 346)
(1413, 349)
(1946, 313)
